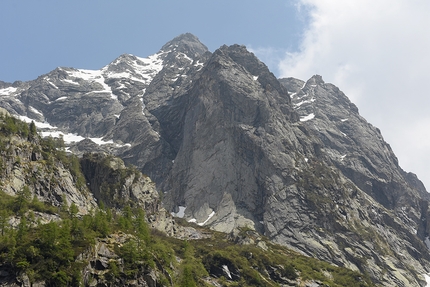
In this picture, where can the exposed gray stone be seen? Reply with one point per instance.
(221, 136)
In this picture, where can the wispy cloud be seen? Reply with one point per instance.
(269, 55)
(378, 53)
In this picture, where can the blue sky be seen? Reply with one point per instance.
(377, 52)
(39, 36)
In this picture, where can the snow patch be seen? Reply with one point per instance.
(304, 85)
(121, 86)
(343, 120)
(209, 217)
(87, 75)
(100, 141)
(70, 82)
(51, 83)
(193, 220)
(304, 102)
(40, 125)
(182, 55)
(227, 271)
(67, 137)
(198, 63)
(307, 118)
(143, 69)
(72, 138)
(255, 78)
(61, 98)
(35, 111)
(180, 213)
(7, 91)
(427, 278)
(93, 76)
(119, 75)
(149, 66)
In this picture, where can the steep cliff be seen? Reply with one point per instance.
(312, 175)
(48, 237)
(230, 146)
(41, 165)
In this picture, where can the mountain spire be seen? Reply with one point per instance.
(186, 43)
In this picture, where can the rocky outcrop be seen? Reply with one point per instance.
(104, 265)
(229, 145)
(358, 150)
(227, 112)
(115, 185)
(29, 162)
(249, 158)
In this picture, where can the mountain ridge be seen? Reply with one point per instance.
(232, 146)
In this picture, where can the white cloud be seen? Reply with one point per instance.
(378, 53)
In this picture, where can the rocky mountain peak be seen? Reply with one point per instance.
(122, 63)
(236, 60)
(241, 55)
(186, 43)
(315, 80)
(231, 146)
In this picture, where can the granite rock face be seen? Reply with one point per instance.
(222, 151)
(230, 145)
(25, 163)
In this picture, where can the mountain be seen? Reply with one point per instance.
(52, 232)
(230, 146)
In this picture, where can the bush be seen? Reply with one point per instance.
(187, 277)
(289, 272)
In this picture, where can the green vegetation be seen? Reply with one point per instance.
(39, 158)
(12, 126)
(54, 243)
(249, 265)
(48, 251)
(111, 176)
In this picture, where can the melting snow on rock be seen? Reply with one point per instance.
(209, 217)
(67, 137)
(93, 76)
(180, 213)
(227, 271)
(204, 222)
(7, 91)
(307, 118)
